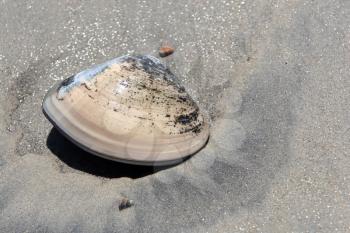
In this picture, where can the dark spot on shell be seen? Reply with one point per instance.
(183, 119)
(187, 119)
(196, 129)
(181, 89)
(143, 86)
(182, 99)
(67, 82)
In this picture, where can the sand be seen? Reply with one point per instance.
(272, 76)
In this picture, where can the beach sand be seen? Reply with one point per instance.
(272, 75)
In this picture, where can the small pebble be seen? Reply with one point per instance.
(166, 50)
(125, 203)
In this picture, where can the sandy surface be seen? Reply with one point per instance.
(273, 75)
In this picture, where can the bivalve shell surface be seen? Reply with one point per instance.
(131, 109)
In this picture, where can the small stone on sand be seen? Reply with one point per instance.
(125, 203)
(166, 50)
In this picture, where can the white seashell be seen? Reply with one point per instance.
(129, 109)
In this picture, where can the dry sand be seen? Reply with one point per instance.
(272, 75)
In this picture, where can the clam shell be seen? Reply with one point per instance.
(131, 109)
